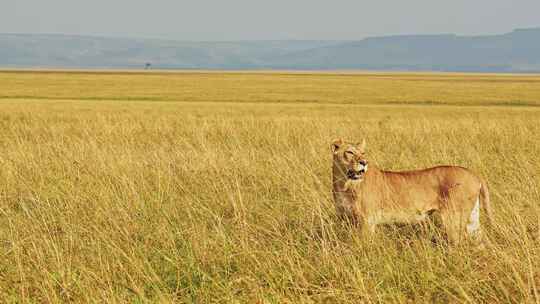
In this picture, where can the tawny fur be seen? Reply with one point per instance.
(384, 197)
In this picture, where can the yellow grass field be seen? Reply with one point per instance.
(206, 187)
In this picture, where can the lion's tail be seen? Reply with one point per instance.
(486, 203)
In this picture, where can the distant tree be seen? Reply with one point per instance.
(147, 65)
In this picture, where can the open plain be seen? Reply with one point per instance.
(199, 187)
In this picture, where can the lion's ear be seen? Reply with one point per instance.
(362, 146)
(336, 145)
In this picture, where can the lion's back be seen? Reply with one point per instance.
(439, 180)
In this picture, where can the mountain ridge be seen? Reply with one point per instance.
(516, 51)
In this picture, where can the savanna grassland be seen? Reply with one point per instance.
(215, 187)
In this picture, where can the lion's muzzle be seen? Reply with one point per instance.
(358, 171)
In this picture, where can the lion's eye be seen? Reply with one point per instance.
(349, 153)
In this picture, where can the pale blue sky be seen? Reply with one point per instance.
(265, 20)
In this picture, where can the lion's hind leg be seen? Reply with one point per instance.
(473, 225)
(460, 225)
(474, 229)
(453, 223)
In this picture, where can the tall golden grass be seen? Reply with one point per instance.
(215, 187)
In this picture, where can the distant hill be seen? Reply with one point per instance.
(518, 51)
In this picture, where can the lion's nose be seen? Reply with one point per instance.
(363, 162)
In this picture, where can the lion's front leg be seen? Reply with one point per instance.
(349, 215)
(348, 210)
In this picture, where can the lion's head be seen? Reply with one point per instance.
(350, 162)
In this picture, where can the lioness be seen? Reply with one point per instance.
(368, 197)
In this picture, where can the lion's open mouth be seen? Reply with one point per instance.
(355, 175)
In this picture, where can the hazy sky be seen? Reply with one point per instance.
(264, 20)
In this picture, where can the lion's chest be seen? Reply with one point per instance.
(345, 202)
